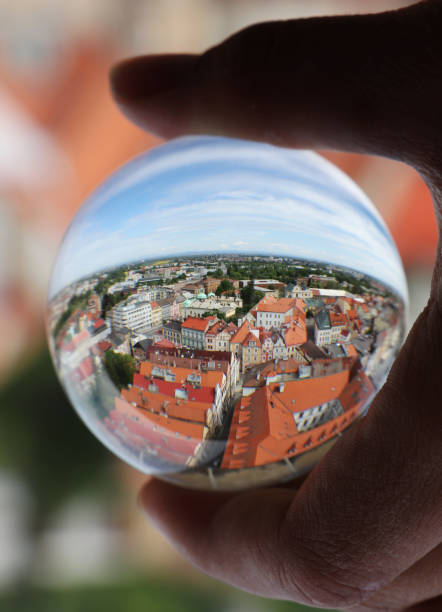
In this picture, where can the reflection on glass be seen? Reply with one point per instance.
(221, 311)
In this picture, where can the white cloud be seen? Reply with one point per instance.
(298, 210)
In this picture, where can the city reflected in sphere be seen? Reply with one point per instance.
(221, 311)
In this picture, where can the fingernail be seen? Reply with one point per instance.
(144, 77)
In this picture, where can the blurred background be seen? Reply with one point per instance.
(71, 535)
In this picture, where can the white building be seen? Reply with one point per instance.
(274, 313)
(135, 314)
(297, 291)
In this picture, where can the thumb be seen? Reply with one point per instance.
(364, 83)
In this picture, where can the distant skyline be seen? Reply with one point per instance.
(207, 195)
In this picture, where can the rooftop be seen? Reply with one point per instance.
(195, 323)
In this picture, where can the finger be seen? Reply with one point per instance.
(420, 583)
(364, 83)
(368, 512)
(433, 605)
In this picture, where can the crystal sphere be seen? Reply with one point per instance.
(221, 311)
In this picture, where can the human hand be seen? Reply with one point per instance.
(364, 530)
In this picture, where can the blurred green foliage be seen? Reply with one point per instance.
(44, 443)
(147, 594)
(121, 368)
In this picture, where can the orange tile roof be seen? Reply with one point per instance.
(173, 439)
(216, 328)
(263, 428)
(296, 334)
(241, 334)
(280, 306)
(182, 410)
(309, 392)
(337, 319)
(251, 338)
(195, 323)
(164, 343)
(231, 328)
(250, 415)
(208, 379)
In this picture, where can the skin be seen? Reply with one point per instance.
(364, 530)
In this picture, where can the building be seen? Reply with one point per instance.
(277, 421)
(153, 293)
(294, 334)
(238, 337)
(202, 304)
(339, 323)
(212, 333)
(157, 315)
(169, 308)
(210, 284)
(323, 329)
(134, 314)
(213, 385)
(222, 339)
(251, 349)
(193, 331)
(94, 305)
(156, 437)
(299, 291)
(172, 331)
(271, 312)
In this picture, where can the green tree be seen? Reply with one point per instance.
(225, 285)
(112, 299)
(120, 368)
(247, 294)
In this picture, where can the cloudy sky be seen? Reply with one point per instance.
(214, 195)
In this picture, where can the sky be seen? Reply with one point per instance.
(207, 195)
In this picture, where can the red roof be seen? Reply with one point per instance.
(99, 323)
(179, 409)
(164, 344)
(337, 319)
(263, 429)
(251, 338)
(282, 305)
(204, 394)
(195, 323)
(216, 328)
(167, 437)
(242, 333)
(104, 345)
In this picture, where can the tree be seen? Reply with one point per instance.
(250, 296)
(247, 294)
(225, 285)
(120, 368)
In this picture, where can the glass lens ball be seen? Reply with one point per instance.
(221, 311)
